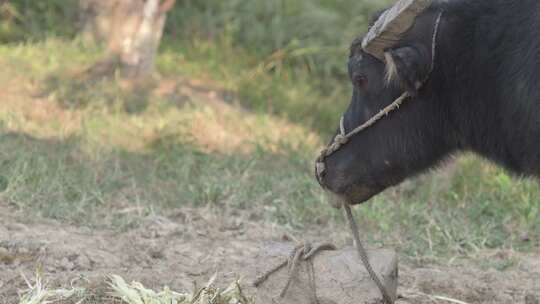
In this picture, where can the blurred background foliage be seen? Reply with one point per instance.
(276, 51)
(25, 20)
(309, 35)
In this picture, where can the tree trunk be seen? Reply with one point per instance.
(131, 31)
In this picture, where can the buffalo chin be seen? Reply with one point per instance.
(360, 194)
(353, 196)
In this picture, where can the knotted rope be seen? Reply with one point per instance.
(307, 251)
(301, 252)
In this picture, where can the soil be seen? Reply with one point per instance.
(188, 246)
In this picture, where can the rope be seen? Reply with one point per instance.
(343, 138)
(306, 252)
(364, 257)
(302, 252)
(434, 42)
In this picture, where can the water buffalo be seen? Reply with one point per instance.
(468, 74)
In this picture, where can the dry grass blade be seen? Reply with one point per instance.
(449, 300)
(38, 293)
(435, 298)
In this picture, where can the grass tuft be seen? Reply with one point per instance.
(136, 293)
(133, 293)
(39, 293)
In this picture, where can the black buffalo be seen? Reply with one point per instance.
(483, 95)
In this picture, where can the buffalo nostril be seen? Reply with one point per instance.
(320, 169)
(320, 172)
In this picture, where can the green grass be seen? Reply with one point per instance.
(296, 96)
(102, 157)
(77, 152)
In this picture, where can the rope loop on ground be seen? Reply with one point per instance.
(301, 252)
(307, 251)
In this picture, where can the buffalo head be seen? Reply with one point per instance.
(395, 58)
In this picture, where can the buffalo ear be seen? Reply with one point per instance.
(410, 64)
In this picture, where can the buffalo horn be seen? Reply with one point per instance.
(395, 21)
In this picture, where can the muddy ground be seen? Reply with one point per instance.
(190, 245)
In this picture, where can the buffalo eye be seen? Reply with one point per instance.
(361, 81)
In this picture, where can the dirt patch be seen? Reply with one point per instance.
(186, 248)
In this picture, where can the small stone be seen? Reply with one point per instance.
(5, 256)
(531, 299)
(83, 262)
(16, 227)
(156, 253)
(525, 237)
(66, 264)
